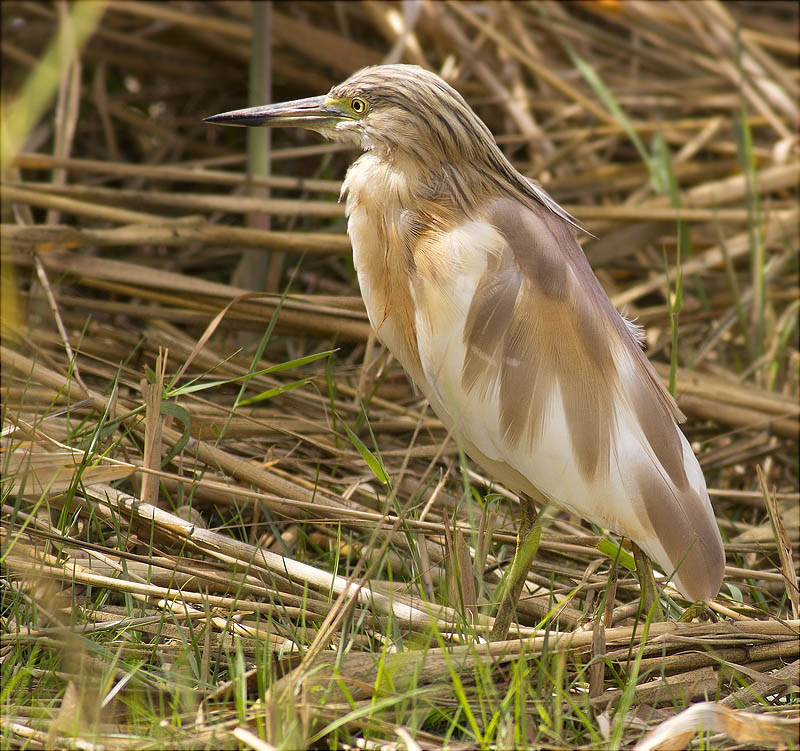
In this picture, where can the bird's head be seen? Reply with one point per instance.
(391, 109)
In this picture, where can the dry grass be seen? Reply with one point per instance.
(227, 518)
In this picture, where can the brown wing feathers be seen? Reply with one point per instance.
(539, 319)
(530, 329)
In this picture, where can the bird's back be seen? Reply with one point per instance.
(498, 318)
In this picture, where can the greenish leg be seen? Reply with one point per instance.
(647, 584)
(530, 530)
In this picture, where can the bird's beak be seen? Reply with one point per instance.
(313, 112)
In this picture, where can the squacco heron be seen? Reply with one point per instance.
(472, 277)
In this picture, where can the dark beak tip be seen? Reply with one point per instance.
(299, 113)
(232, 118)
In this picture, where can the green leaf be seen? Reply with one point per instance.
(617, 553)
(296, 363)
(269, 393)
(372, 461)
(611, 104)
(299, 361)
(182, 415)
(736, 593)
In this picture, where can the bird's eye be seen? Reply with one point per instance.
(359, 106)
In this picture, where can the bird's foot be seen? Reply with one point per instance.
(697, 610)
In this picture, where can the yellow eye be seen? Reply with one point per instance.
(359, 106)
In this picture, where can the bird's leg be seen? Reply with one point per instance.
(530, 530)
(647, 584)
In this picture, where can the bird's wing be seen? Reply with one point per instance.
(523, 352)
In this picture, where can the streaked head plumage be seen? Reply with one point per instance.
(411, 110)
(409, 116)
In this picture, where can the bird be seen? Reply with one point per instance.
(472, 276)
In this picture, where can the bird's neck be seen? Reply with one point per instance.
(428, 192)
